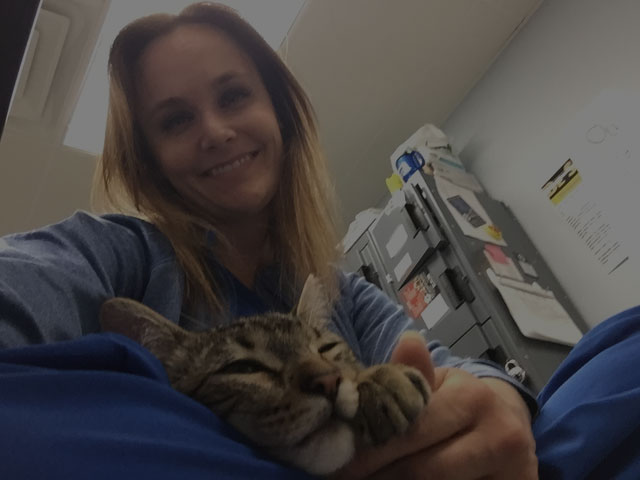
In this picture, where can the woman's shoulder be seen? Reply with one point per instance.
(111, 222)
(84, 221)
(86, 232)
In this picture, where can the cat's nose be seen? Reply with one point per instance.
(325, 384)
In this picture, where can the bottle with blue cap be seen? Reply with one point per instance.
(409, 162)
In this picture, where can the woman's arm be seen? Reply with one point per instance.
(472, 428)
(54, 279)
(478, 421)
(372, 325)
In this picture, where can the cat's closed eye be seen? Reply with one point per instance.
(327, 346)
(245, 366)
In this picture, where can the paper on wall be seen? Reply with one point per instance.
(580, 210)
(536, 311)
(448, 190)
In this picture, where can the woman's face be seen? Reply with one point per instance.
(210, 122)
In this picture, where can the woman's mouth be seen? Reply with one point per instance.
(231, 165)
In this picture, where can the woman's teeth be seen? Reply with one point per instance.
(230, 166)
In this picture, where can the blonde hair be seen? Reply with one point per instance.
(303, 233)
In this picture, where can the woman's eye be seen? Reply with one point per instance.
(172, 122)
(244, 367)
(326, 347)
(233, 96)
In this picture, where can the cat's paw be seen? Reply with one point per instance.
(391, 396)
(347, 400)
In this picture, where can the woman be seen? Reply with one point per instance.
(212, 141)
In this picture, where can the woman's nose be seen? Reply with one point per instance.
(216, 131)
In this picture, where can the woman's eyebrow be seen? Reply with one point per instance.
(228, 77)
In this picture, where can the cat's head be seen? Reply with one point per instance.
(283, 380)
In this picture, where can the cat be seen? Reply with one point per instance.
(285, 381)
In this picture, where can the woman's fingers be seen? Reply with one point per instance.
(471, 429)
(467, 457)
(459, 458)
(446, 416)
(497, 442)
(411, 350)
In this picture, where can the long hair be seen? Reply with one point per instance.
(302, 234)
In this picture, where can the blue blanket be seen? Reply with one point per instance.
(101, 407)
(589, 420)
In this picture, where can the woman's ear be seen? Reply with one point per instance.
(138, 322)
(313, 305)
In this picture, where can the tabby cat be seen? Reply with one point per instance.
(284, 380)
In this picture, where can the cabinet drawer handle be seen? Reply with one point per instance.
(514, 370)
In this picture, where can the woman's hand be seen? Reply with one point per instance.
(472, 429)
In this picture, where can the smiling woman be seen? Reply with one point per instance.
(208, 129)
(205, 116)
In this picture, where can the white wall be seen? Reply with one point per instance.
(40, 183)
(516, 127)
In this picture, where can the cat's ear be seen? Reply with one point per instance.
(138, 322)
(314, 305)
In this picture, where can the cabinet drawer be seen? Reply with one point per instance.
(452, 326)
(472, 344)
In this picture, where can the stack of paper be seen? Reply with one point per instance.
(536, 311)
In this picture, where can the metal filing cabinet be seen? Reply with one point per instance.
(418, 235)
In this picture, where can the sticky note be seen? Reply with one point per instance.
(496, 253)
